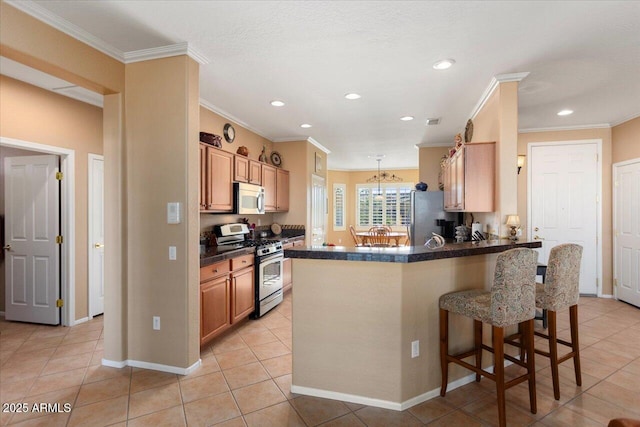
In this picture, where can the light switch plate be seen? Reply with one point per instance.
(172, 253)
(173, 213)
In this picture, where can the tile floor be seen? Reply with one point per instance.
(245, 378)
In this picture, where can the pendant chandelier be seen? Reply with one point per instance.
(383, 176)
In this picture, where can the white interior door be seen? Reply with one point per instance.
(627, 231)
(96, 234)
(318, 211)
(564, 193)
(32, 261)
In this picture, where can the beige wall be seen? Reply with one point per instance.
(36, 115)
(429, 165)
(603, 134)
(351, 178)
(626, 141)
(162, 160)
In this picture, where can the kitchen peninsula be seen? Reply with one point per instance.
(357, 311)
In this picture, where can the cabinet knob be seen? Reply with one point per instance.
(215, 270)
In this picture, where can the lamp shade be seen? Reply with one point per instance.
(513, 220)
(521, 159)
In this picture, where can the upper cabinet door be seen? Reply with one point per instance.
(241, 169)
(469, 179)
(269, 182)
(203, 177)
(220, 180)
(255, 172)
(282, 190)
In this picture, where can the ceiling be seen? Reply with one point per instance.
(583, 56)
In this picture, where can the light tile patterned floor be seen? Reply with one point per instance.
(246, 375)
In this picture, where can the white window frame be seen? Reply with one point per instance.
(383, 186)
(342, 187)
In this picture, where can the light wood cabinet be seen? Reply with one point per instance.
(227, 295)
(242, 294)
(269, 182)
(216, 179)
(215, 300)
(246, 170)
(287, 276)
(276, 188)
(469, 179)
(282, 190)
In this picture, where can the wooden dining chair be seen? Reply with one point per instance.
(378, 236)
(354, 236)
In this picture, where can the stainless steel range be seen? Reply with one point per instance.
(268, 264)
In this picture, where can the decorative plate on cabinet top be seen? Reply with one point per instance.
(468, 131)
(275, 158)
(276, 229)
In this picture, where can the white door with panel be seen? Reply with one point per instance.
(564, 203)
(627, 231)
(96, 234)
(32, 255)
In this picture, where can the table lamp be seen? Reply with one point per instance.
(513, 221)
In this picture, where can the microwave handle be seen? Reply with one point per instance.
(261, 202)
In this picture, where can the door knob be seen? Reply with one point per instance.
(536, 237)
(7, 247)
(98, 245)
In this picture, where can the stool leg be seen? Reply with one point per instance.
(444, 349)
(575, 346)
(528, 338)
(553, 353)
(477, 334)
(498, 370)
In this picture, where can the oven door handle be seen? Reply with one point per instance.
(271, 258)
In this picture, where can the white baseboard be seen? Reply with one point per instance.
(609, 296)
(379, 403)
(152, 366)
(79, 321)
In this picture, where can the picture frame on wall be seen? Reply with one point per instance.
(318, 163)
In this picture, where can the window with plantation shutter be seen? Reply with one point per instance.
(394, 209)
(339, 208)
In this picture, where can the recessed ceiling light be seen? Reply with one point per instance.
(444, 64)
(406, 118)
(305, 125)
(352, 96)
(565, 112)
(277, 103)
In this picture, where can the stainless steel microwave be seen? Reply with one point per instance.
(248, 198)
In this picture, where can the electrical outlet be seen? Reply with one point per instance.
(415, 349)
(172, 253)
(156, 323)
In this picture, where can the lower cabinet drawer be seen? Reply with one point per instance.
(214, 270)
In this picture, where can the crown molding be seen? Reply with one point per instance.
(495, 82)
(309, 139)
(165, 52)
(40, 13)
(619, 122)
(566, 128)
(209, 106)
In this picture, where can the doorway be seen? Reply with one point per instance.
(626, 226)
(67, 220)
(96, 235)
(564, 192)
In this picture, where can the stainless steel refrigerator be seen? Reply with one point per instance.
(427, 207)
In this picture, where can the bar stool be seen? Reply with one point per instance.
(511, 301)
(561, 290)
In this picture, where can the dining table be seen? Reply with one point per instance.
(391, 236)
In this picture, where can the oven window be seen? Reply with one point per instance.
(272, 271)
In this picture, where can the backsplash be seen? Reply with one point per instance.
(287, 231)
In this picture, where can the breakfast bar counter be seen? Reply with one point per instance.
(357, 311)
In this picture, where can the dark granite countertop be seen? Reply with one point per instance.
(213, 254)
(406, 254)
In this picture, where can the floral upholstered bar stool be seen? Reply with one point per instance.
(510, 302)
(560, 291)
